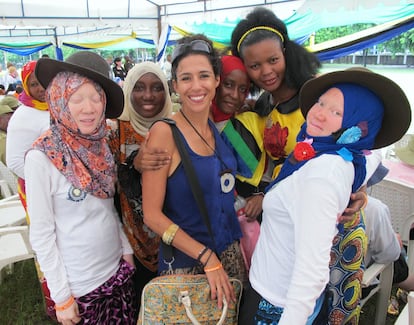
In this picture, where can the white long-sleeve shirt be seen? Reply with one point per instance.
(25, 126)
(78, 239)
(290, 264)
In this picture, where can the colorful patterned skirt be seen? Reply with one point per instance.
(346, 272)
(111, 303)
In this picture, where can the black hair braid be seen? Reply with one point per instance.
(301, 65)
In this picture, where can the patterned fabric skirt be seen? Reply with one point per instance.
(346, 272)
(267, 314)
(111, 303)
(231, 258)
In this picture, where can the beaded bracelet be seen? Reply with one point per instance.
(169, 234)
(208, 258)
(201, 254)
(213, 268)
(65, 305)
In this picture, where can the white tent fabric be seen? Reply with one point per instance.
(105, 20)
(77, 20)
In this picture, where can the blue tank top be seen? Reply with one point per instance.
(181, 207)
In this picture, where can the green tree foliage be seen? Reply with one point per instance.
(398, 44)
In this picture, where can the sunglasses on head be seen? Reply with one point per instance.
(196, 45)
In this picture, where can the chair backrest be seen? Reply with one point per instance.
(399, 198)
(12, 213)
(9, 178)
(14, 245)
(381, 291)
(407, 314)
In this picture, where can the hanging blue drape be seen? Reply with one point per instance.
(362, 43)
(59, 53)
(24, 49)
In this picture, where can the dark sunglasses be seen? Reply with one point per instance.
(196, 45)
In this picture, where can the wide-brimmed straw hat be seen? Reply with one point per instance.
(397, 111)
(90, 65)
(406, 153)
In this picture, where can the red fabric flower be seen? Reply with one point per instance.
(275, 140)
(303, 151)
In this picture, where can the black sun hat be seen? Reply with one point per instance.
(90, 65)
(397, 111)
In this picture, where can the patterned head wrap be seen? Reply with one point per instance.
(85, 160)
(229, 63)
(362, 120)
(25, 97)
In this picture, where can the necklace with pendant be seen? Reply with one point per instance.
(227, 179)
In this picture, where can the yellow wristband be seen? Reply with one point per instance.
(169, 234)
(65, 305)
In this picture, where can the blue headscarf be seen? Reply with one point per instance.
(362, 120)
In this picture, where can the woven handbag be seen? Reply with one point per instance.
(186, 299)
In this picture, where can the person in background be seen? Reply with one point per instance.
(18, 89)
(2, 90)
(167, 72)
(8, 104)
(129, 64)
(118, 69)
(195, 75)
(27, 124)
(384, 245)
(2, 74)
(70, 181)
(347, 113)
(11, 78)
(146, 100)
(5, 115)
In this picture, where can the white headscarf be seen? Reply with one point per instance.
(138, 122)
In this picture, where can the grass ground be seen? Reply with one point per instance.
(21, 301)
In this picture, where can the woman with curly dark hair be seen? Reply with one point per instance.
(279, 67)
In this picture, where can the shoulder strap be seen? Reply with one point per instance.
(191, 175)
(195, 188)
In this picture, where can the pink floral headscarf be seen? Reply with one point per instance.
(85, 160)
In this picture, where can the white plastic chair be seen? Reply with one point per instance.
(383, 288)
(14, 197)
(8, 181)
(406, 316)
(12, 213)
(400, 200)
(14, 246)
